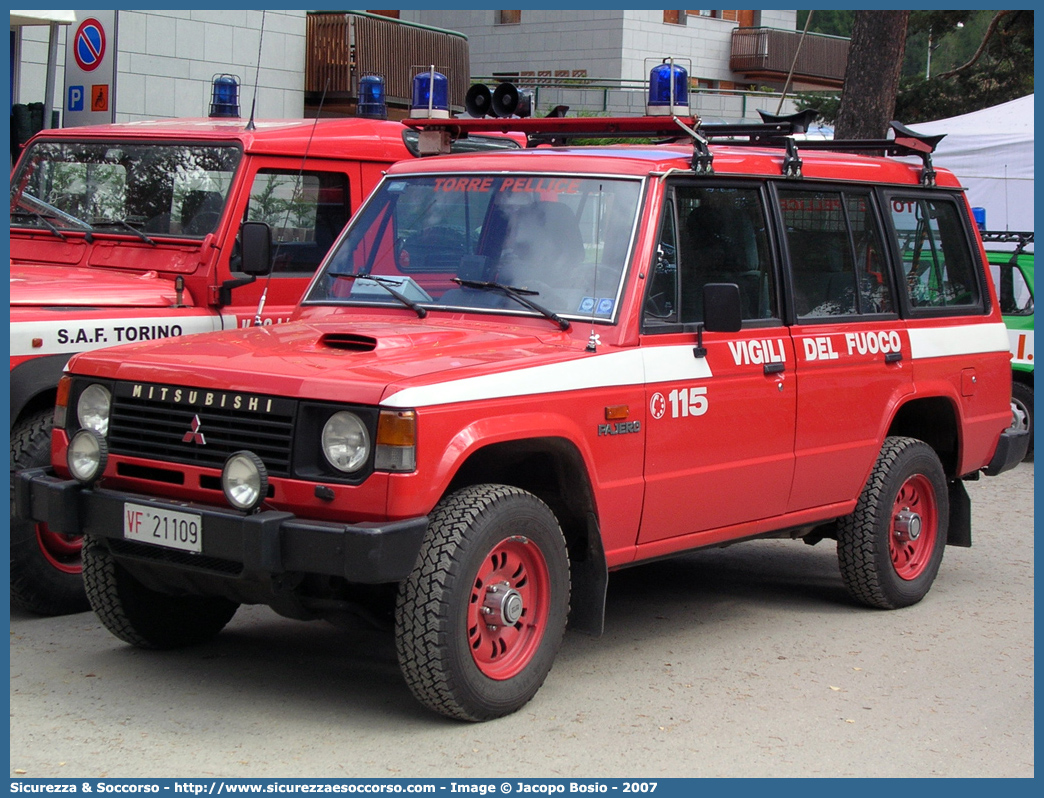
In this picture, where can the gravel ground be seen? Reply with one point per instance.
(745, 661)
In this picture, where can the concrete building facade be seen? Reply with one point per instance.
(167, 59)
(609, 47)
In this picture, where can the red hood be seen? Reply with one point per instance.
(358, 360)
(70, 286)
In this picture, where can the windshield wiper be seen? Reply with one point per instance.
(42, 218)
(520, 295)
(41, 209)
(38, 206)
(387, 286)
(124, 223)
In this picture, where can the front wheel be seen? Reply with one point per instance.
(890, 548)
(46, 571)
(479, 621)
(144, 617)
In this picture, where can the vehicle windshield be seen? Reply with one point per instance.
(119, 187)
(555, 245)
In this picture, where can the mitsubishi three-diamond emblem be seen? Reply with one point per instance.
(194, 435)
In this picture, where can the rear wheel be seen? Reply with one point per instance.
(1022, 398)
(890, 548)
(46, 568)
(144, 617)
(479, 621)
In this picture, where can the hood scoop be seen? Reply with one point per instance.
(349, 342)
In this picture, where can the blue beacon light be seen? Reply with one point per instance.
(430, 95)
(225, 98)
(372, 104)
(668, 90)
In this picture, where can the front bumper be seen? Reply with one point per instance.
(233, 543)
(1011, 450)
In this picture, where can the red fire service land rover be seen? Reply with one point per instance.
(518, 372)
(124, 233)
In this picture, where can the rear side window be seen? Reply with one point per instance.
(937, 269)
(836, 254)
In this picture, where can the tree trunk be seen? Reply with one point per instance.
(875, 58)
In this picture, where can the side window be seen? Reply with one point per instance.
(306, 211)
(875, 288)
(836, 254)
(661, 299)
(937, 266)
(1013, 291)
(720, 238)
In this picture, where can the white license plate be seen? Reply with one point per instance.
(169, 528)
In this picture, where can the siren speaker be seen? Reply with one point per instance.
(478, 100)
(505, 100)
(525, 103)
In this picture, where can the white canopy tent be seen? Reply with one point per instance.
(21, 18)
(991, 152)
(52, 19)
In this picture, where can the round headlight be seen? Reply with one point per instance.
(346, 443)
(244, 480)
(87, 455)
(92, 409)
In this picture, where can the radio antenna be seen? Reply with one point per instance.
(290, 205)
(257, 73)
(593, 339)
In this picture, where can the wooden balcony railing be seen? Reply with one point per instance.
(768, 53)
(342, 47)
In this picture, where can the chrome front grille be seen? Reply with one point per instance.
(189, 425)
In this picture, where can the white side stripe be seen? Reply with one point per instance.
(962, 339)
(69, 335)
(631, 367)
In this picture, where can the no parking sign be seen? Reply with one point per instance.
(89, 44)
(90, 70)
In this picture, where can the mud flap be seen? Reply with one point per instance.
(959, 533)
(590, 580)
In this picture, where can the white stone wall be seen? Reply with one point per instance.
(167, 59)
(546, 40)
(31, 74)
(611, 45)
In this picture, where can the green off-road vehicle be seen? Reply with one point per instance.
(1011, 261)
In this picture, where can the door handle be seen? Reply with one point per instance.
(893, 357)
(774, 368)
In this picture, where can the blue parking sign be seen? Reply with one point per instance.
(75, 98)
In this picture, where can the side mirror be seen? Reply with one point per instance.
(257, 248)
(721, 312)
(721, 307)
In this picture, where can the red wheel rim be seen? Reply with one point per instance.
(512, 581)
(63, 552)
(911, 550)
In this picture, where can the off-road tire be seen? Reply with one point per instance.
(46, 572)
(144, 617)
(480, 537)
(1022, 396)
(878, 566)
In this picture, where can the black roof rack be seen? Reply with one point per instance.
(1021, 239)
(773, 131)
(1007, 237)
